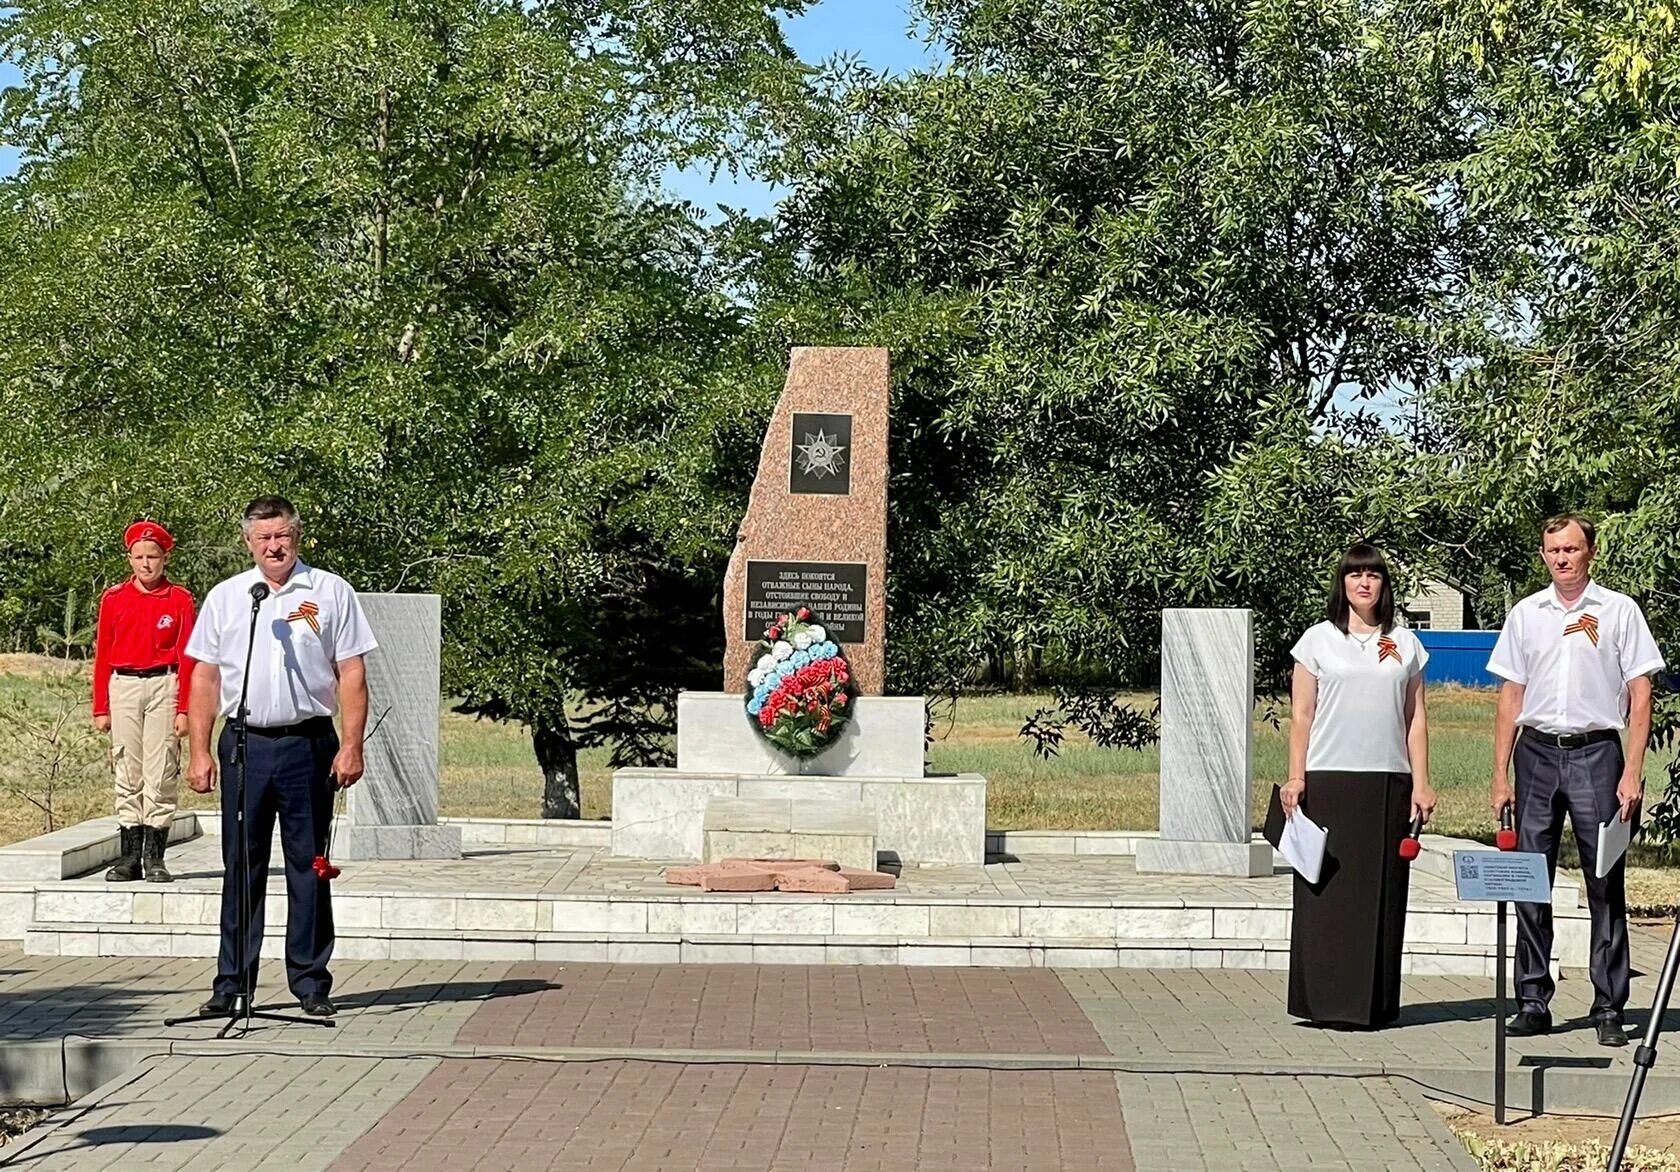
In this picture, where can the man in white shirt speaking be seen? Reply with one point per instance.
(305, 667)
(1576, 661)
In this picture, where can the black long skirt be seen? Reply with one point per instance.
(1350, 926)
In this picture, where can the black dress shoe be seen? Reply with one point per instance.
(1529, 1025)
(1610, 1032)
(318, 1005)
(219, 1003)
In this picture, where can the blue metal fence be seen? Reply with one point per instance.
(1459, 657)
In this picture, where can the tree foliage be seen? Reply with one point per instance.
(1139, 266)
(410, 264)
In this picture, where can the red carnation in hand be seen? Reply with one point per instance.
(323, 869)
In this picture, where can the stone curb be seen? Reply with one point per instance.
(87, 1097)
(1564, 1086)
(54, 1072)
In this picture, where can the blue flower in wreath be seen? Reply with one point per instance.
(800, 658)
(755, 706)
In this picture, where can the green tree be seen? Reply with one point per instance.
(1574, 401)
(410, 264)
(1136, 262)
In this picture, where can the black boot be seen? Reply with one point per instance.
(127, 868)
(156, 839)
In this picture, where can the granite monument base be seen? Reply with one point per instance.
(660, 813)
(1181, 857)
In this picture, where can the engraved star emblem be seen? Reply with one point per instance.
(820, 454)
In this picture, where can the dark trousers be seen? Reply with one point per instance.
(286, 778)
(1582, 782)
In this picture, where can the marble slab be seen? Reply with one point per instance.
(884, 738)
(398, 793)
(359, 843)
(661, 813)
(1207, 744)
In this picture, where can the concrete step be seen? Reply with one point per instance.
(69, 938)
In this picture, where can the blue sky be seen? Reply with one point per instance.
(877, 31)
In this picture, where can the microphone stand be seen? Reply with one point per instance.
(244, 999)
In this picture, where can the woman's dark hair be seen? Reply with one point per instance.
(1360, 557)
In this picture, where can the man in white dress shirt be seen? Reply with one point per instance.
(1576, 661)
(305, 667)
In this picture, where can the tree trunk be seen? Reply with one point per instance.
(551, 737)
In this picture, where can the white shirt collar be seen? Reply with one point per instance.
(302, 578)
(1593, 594)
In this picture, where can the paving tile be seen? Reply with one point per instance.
(762, 1007)
(642, 1117)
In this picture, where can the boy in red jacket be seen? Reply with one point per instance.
(141, 677)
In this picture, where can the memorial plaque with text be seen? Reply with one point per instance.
(835, 592)
(820, 454)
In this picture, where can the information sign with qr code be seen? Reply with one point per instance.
(1501, 876)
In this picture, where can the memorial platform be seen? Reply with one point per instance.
(539, 890)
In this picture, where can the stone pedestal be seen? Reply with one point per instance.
(660, 813)
(392, 812)
(884, 738)
(790, 828)
(1207, 747)
(877, 763)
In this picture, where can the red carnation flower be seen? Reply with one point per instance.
(804, 613)
(323, 869)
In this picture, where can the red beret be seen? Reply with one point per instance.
(148, 531)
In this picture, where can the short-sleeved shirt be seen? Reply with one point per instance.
(1359, 723)
(1575, 662)
(305, 629)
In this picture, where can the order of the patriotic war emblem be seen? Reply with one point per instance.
(820, 454)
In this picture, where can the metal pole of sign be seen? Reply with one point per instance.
(1499, 1024)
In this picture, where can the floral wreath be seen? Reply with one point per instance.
(800, 690)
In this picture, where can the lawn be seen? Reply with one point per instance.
(488, 770)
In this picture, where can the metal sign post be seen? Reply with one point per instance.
(1501, 877)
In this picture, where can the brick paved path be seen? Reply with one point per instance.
(775, 1007)
(1228, 1124)
(647, 1117)
(252, 1113)
(397, 1084)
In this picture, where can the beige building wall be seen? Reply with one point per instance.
(1437, 607)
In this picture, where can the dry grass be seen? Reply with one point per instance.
(488, 770)
(1559, 1143)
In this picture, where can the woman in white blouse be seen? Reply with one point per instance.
(1359, 767)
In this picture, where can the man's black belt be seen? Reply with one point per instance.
(1573, 740)
(313, 727)
(162, 669)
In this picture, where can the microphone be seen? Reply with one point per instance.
(1410, 847)
(1507, 836)
(259, 591)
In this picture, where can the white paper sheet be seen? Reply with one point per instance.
(1302, 845)
(1613, 839)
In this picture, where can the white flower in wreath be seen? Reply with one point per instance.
(782, 649)
(816, 633)
(802, 640)
(755, 677)
(766, 662)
